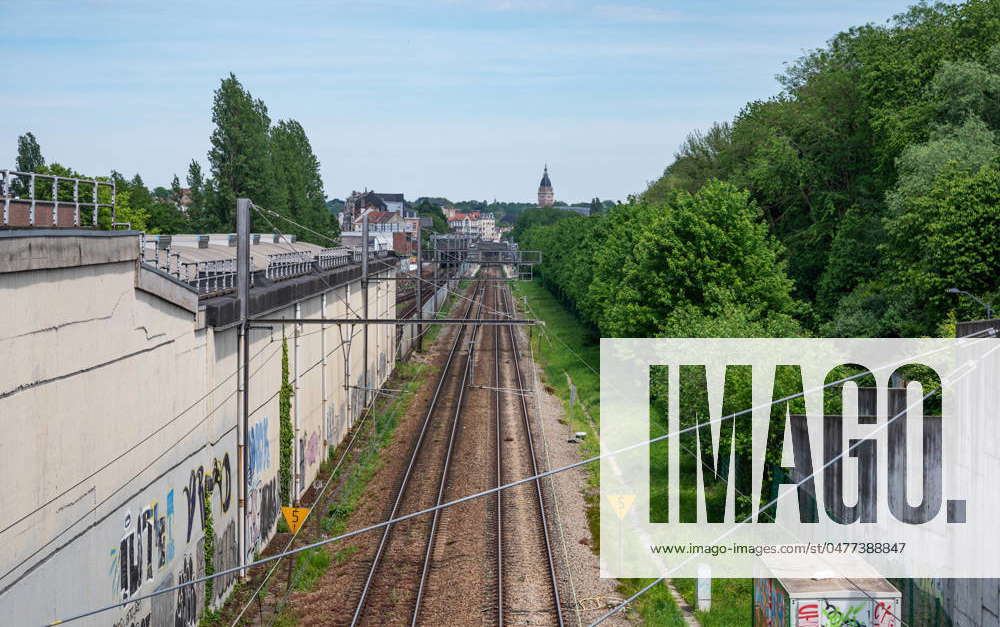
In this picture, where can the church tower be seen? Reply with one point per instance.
(545, 194)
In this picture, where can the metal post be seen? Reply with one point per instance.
(31, 192)
(420, 279)
(7, 192)
(364, 303)
(55, 202)
(243, 287)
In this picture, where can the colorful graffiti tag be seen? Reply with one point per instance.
(770, 604)
(146, 546)
(258, 451)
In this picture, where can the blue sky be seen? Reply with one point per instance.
(464, 99)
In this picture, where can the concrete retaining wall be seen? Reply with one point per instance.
(122, 425)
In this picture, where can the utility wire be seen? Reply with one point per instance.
(775, 500)
(536, 477)
(725, 480)
(415, 277)
(94, 507)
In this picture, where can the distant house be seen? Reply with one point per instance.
(357, 204)
(393, 202)
(382, 222)
(479, 225)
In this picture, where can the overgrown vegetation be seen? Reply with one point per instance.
(209, 548)
(272, 164)
(845, 205)
(286, 433)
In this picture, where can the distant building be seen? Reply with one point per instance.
(546, 196)
(357, 204)
(393, 202)
(479, 225)
(383, 222)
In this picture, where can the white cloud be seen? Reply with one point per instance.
(634, 13)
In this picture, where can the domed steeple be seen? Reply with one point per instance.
(545, 194)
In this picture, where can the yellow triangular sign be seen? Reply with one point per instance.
(295, 516)
(621, 503)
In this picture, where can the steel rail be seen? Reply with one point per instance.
(456, 418)
(383, 542)
(534, 461)
(499, 447)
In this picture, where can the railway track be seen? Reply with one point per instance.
(438, 568)
(526, 579)
(396, 576)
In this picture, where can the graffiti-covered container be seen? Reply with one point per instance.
(841, 594)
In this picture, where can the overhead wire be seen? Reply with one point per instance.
(536, 477)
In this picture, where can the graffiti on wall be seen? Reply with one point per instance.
(186, 607)
(312, 449)
(262, 513)
(226, 556)
(258, 451)
(222, 481)
(219, 481)
(770, 603)
(845, 613)
(134, 616)
(146, 546)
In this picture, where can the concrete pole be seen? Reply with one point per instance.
(704, 587)
(420, 278)
(364, 304)
(243, 291)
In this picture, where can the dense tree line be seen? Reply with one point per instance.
(873, 180)
(272, 164)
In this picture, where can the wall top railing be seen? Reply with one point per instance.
(214, 277)
(31, 199)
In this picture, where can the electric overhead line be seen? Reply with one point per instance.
(706, 467)
(549, 473)
(94, 507)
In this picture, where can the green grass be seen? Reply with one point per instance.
(565, 346)
(309, 567)
(732, 602)
(657, 606)
(385, 414)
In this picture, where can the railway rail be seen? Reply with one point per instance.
(531, 559)
(385, 584)
(437, 569)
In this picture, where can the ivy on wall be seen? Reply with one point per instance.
(285, 421)
(209, 544)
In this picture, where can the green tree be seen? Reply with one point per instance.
(239, 155)
(708, 250)
(199, 215)
(948, 237)
(29, 159)
(426, 208)
(29, 153)
(298, 190)
(175, 190)
(595, 206)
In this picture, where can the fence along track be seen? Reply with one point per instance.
(516, 383)
(443, 378)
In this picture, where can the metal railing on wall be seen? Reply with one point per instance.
(219, 276)
(33, 199)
